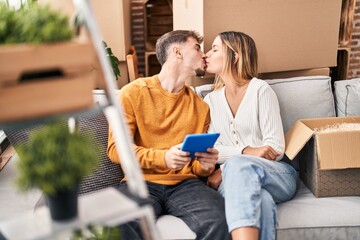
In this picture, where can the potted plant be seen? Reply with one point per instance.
(55, 160)
(42, 58)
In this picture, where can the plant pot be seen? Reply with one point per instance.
(63, 205)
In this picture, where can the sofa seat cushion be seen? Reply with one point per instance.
(307, 217)
(304, 217)
(171, 227)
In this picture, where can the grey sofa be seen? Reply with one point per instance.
(304, 217)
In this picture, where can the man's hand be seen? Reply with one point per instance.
(175, 158)
(266, 152)
(215, 179)
(209, 159)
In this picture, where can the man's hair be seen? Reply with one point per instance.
(177, 36)
(244, 46)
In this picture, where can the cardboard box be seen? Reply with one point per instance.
(329, 162)
(209, 78)
(296, 73)
(305, 37)
(112, 18)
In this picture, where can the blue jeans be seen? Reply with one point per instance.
(198, 205)
(251, 187)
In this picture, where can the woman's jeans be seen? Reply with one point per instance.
(198, 205)
(251, 187)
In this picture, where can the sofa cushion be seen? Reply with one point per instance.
(299, 97)
(107, 174)
(308, 217)
(347, 97)
(166, 225)
(93, 124)
(303, 97)
(203, 90)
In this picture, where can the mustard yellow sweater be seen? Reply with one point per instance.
(159, 120)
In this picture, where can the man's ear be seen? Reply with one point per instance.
(177, 52)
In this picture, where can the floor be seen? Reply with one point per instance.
(13, 202)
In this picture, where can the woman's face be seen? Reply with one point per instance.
(215, 57)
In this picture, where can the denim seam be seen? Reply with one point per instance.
(243, 223)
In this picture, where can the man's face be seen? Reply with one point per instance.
(193, 56)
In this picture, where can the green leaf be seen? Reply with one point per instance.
(35, 24)
(113, 60)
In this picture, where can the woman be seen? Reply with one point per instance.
(245, 111)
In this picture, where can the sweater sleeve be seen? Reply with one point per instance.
(226, 152)
(148, 158)
(270, 120)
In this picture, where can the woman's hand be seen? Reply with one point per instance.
(215, 179)
(209, 159)
(266, 152)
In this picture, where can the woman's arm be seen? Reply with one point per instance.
(270, 121)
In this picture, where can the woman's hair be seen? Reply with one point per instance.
(244, 46)
(177, 36)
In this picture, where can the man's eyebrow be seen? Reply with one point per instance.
(214, 45)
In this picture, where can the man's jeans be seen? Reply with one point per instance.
(198, 205)
(251, 187)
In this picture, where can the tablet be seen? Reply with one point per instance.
(199, 142)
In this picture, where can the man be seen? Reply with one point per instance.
(160, 111)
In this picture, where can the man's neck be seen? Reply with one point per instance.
(171, 79)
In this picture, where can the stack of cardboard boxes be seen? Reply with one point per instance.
(294, 38)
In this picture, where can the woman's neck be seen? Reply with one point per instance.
(235, 87)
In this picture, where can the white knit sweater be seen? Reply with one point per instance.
(257, 121)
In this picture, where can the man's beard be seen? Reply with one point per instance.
(200, 72)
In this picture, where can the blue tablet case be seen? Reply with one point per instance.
(199, 142)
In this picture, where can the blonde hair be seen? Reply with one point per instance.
(246, 67)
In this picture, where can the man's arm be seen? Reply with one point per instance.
(148, 158)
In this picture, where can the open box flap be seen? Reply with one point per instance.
(296, 138)
(304, 129)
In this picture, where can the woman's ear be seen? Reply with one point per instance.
(236, 57)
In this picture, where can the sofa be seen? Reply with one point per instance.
(303, 217)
